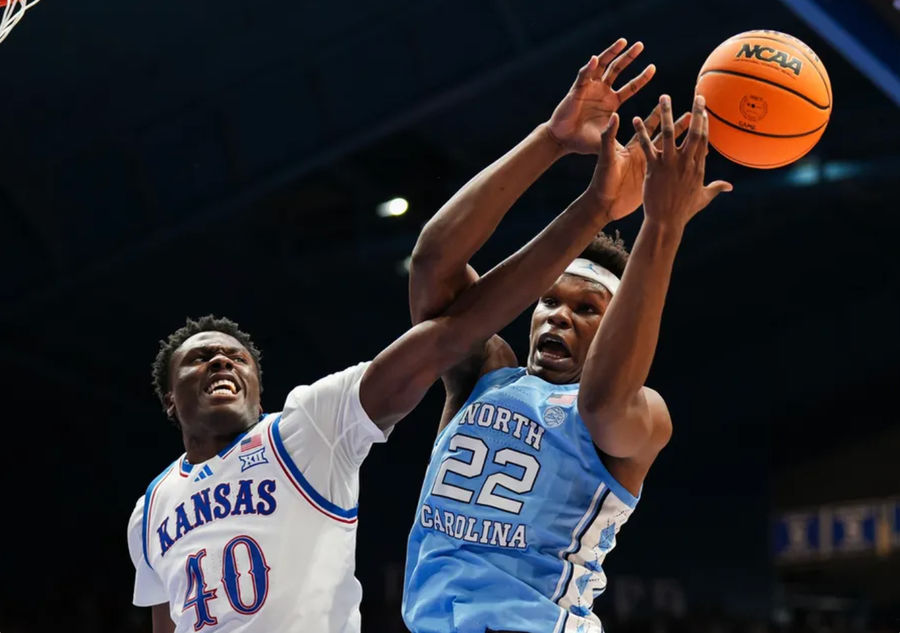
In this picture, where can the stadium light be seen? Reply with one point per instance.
(403, 266)
(392, 208)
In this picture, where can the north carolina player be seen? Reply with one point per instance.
(254, 527)
(535, 469)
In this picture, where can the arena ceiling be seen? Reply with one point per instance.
(141, 146)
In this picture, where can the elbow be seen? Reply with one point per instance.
(431, 290)
(427, 296)
(426, 254)
(420, 259)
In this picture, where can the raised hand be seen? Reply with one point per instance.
(579, 120)
(618, 180)
(673, 188)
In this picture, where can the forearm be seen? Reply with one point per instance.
(400, 375)
(510, 287)
(622, 351)
(467, 220)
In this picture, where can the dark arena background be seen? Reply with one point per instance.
(159, 161)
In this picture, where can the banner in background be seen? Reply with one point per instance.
(835, 530)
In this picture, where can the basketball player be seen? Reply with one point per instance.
(253, 528)
(536, 468)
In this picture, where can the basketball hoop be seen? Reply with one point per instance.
(11, 11)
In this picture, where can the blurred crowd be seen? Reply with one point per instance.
(101, 604)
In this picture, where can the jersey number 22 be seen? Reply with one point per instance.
(474, 468)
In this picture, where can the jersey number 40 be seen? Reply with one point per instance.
(198, 594)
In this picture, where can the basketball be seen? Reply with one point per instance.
(768, 97)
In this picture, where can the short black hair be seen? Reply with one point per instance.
(208, 323)
(609, 252)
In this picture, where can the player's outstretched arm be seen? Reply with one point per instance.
(439, 269)
(622, 415)
(400, 375)
(615, 190)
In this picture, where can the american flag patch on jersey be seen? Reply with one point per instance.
(248, 444)
(562, 399)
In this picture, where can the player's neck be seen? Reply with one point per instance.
(202, 444)
(552, 378)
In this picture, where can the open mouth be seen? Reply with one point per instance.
(222, 386)
(552, 347)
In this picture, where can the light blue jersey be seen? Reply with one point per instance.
(516, 515)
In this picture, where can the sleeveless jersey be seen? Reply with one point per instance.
(516, 515)
(262, 536)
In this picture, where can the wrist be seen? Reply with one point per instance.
(599, 208)
(548, 139)
(664, 230)
(601, 203)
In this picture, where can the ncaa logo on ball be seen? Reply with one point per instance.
(753, 107)
(770, 55)
(554, 416)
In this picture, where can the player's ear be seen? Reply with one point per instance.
(170, 405)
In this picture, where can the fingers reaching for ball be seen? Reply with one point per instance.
(673, 187)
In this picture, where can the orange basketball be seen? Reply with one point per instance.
(768, 98)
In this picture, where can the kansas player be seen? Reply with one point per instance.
(253, 528)
(536, 468)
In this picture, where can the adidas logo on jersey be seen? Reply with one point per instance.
(205, 472)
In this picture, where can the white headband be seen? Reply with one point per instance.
(595, 272)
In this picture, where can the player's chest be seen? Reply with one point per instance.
(220, 503)
(240, 491)
(521, 414)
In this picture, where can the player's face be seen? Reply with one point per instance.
(214, 384)
(562, 327)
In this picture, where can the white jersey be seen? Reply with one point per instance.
(262, 536)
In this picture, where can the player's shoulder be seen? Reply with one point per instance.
(494, 355)
(157, 481)
(660, 418)
(335, 381)
(136, 531)
(137, 522)
(499, 377)
(137, 513)
(498, 355)
(165, 472)
(348, 374)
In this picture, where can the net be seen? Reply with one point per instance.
(11, 11)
